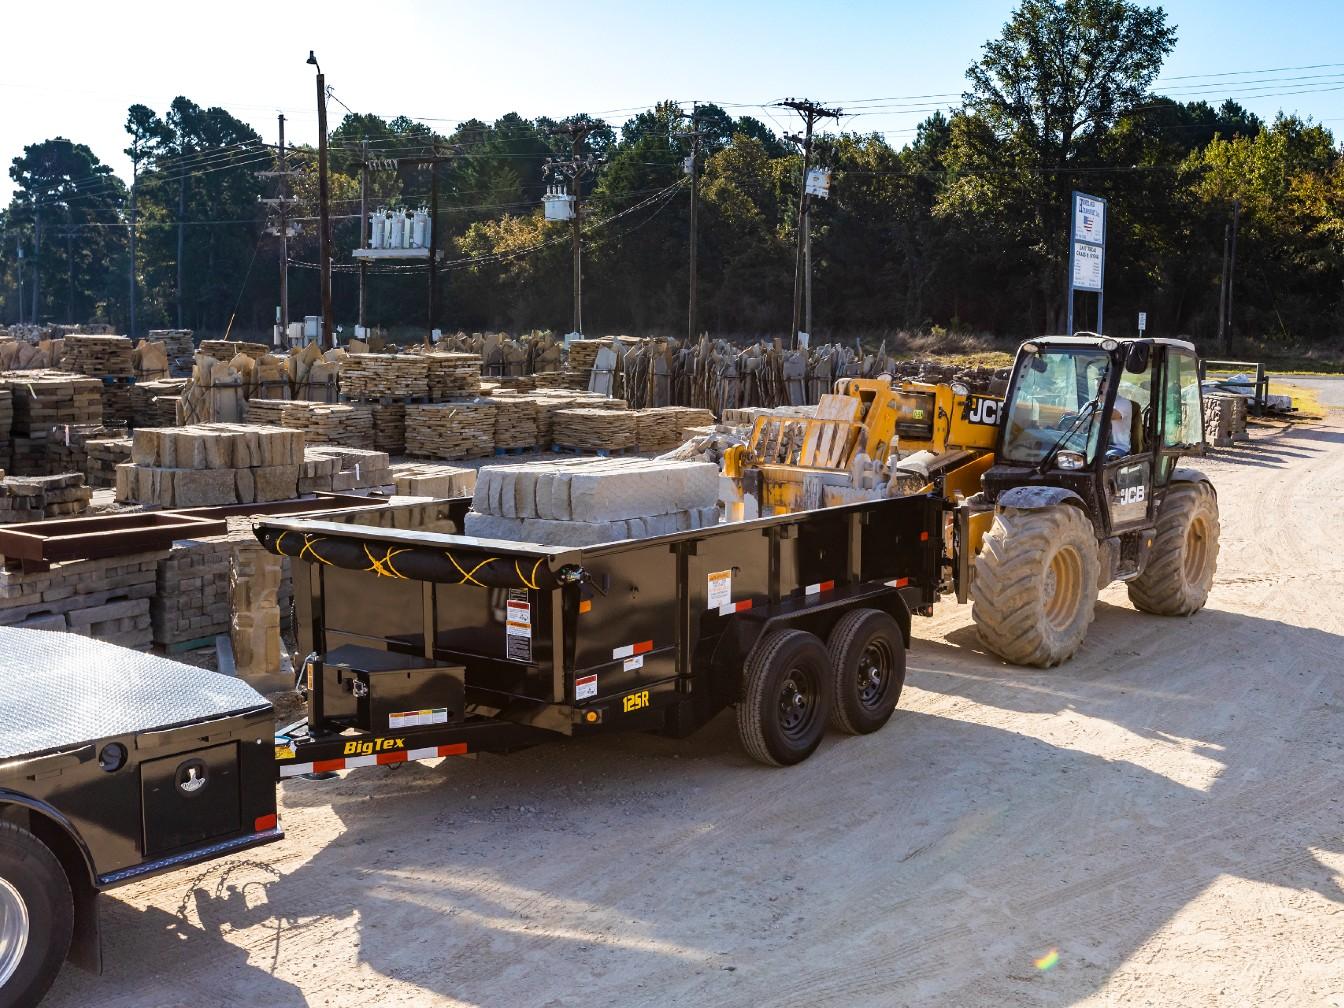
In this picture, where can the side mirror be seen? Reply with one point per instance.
(1136, 360)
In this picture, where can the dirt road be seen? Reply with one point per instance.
(1165, 814)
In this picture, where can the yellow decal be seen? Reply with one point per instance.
(635, 701)
(376, 746)
(284, 752)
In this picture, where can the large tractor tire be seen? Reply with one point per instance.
(1035, 588)
(786, 697)
(37, 917)
(1184, 555)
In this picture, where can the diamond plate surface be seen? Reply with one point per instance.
(59, 690)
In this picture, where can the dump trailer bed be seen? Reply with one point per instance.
(422, 644)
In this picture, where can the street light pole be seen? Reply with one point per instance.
(324, 204)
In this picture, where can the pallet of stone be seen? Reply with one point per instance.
(211, 464)
(322, 423)
(97, 356)
(354, 468)
(658, 428)
(452, 375)
(585, 501)
(589, 429)
(384, 376)
(116, 399)
(549, 401)
(33, 498)
(103, 457)
(154, 403)
(515, 422)
(226, 350)
(44, 398)
(418, 479)
(105, 598)
(389, 427)
(192, 598)
(180, 348)
(67, 445)
(451, 430)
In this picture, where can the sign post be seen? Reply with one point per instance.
(1087, 250)
(1143, 322)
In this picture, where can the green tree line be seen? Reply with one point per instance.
(963, 227)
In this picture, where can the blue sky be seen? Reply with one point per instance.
(80, 64)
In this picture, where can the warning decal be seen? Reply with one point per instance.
(720, 589)
(585, 687)
(518, 630)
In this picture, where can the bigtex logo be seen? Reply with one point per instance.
(376, 746)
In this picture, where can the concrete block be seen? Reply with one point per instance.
(486, 526)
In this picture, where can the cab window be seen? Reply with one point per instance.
(1182, 422)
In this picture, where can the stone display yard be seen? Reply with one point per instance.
(580, 502)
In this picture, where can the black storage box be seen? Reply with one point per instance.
(396, 692)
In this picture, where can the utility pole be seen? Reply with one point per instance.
(576, 168)
(281, 203)
(811, 113)
(364, 230)
(130, 271)
(324, 204)
(18, 247)
(37, 251)
(693, 170)
(70, 273)
(1232, 273)
(1222, 289)
(181, 235)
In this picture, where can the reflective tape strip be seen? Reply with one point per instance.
(817, 589)
(380, 759)
(898, 583)
(632, 649)
(732, 607)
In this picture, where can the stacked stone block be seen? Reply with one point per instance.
(33, 498)
(211, 464)
(108, 599)
(581, 502)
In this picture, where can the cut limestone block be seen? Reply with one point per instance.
(417, 479)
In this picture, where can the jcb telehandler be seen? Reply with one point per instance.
(1066, 484)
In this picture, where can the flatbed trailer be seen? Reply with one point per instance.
(115, 765)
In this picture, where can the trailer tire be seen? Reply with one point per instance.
(37, 917)
(1035, 588)
(1184, 556)
(786, 697)
(868, 665)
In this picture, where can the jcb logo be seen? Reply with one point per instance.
(1132, 495)
(635, 701)
(983, 411)
(376, 746)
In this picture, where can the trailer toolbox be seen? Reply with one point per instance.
(151, 762)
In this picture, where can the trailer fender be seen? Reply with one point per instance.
(746, 628)
(1189, 474)
(1033, 498)
(63, 839)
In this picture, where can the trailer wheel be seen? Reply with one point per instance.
(868, 665)
(37, 917)
(786, 697)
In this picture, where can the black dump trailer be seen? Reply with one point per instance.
(423, 645)
(114, 766)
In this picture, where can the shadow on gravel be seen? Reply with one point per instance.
(928, 864)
